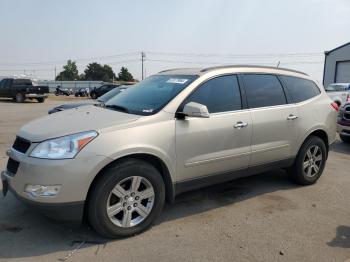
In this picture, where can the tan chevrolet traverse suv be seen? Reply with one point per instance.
(175, 131)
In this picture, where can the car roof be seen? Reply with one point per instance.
(201, 71)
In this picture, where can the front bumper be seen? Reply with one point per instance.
(74, 176)
(67, 212)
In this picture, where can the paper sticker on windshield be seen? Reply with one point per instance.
(147, 110)
(180, 81)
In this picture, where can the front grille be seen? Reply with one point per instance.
(12, 166)
(21, 145)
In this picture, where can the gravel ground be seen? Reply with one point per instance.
(260, 218)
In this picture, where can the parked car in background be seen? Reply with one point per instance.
(20, 89)
(175, 131)
(100, 101)
(343, 124)
(99, 91)
(62, 91)
(339, 92)
(82, 92)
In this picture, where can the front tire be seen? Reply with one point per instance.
(41, 99)
(310, 162)
(127, 199)
(93, 95)
(345, 139)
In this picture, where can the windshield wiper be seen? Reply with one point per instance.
(118, 108)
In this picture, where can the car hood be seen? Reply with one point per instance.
(73, 121)
(74, 105)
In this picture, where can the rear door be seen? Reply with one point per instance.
(220, 143)
(303, 92)
(5, 87)
(2, 87)
(274, 120)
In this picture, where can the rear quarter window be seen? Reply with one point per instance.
(300, 89)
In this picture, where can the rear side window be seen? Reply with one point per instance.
(220, 94)
(300, 89)
(5, 83)
(26, 82)
(263, 90)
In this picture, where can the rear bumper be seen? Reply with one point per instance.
(66, 212)
(36, 95)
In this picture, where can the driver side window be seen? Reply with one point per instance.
(220, 94)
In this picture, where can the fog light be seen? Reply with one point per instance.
(42, 191)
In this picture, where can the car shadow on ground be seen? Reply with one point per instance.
(25, 233)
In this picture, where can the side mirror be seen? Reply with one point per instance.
(193, 109)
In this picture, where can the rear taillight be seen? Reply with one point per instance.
(335, 106)
(347, 98)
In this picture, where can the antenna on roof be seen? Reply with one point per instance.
(278, 64)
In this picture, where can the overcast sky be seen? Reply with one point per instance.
(39, 35)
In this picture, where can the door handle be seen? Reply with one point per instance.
(292, 117)
(240, 124)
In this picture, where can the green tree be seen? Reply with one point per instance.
(70, 72)
(124, 75)
(95, 71)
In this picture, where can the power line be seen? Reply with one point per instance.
(73, 59)
(261, 55)
(220, 63)
(255, 56)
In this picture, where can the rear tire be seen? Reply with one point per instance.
(19, 98)
(126, 200)
(310, 162)
(93, 95)
(345, 139)
(41, 99)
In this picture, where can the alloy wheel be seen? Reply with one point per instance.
(312, 161)
(130, 202)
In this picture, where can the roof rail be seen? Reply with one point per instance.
(256, 66)
(172, 69)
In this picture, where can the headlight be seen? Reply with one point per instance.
(63, 147)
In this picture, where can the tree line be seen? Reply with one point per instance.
(93, 71)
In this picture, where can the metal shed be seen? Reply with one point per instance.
(337, 65)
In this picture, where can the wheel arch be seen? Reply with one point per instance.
(321, 134)
(155, 161)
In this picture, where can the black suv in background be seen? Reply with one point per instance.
(19, 89)
(99, 91)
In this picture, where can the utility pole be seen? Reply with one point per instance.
(55, 73)
(143, 55)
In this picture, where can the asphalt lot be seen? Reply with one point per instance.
(260, 218)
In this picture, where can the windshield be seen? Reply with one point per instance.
(150, 95)
(110, 94)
